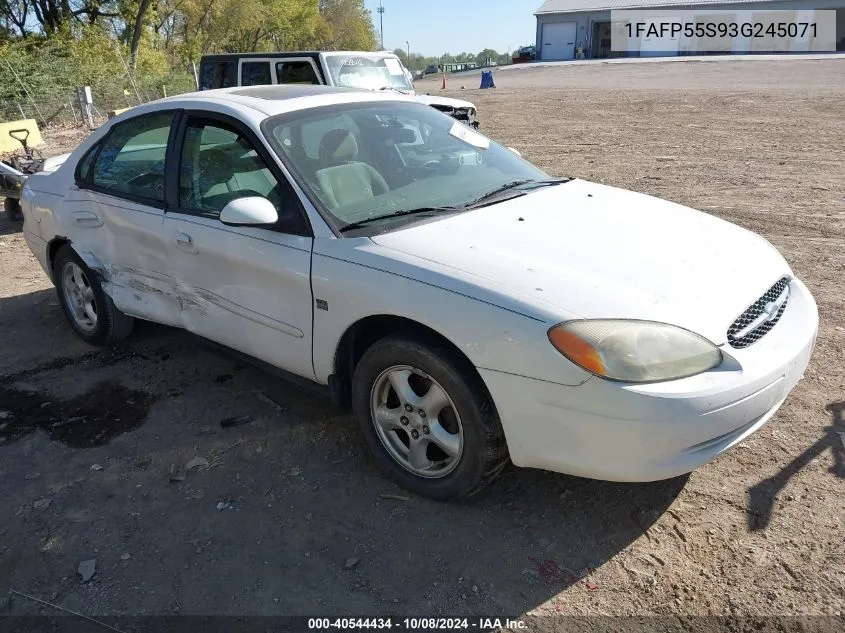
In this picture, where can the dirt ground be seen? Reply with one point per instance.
(290, 517)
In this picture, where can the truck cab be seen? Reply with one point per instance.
(349, 69)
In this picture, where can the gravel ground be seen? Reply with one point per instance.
(286, 515)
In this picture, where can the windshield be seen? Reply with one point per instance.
(383, 160)
(369, 72)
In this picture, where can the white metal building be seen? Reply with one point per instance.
(567, 29)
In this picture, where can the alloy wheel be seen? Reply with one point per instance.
(416, 421)
(79, 297)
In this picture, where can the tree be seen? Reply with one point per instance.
(58, 45)
(205, 26)
(402, 55)
(419, 62)
(485, 55)
(54, 14)
(15, 13)
(349, 25)
(295, 24)
(136, 33)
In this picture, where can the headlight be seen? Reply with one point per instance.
(634, 351)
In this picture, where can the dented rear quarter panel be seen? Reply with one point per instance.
(44, 200)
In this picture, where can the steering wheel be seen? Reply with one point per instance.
(447, 164)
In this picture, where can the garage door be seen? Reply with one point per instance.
(656, 46)
(558, 41)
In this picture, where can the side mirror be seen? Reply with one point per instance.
(249, 211)
(515, 151)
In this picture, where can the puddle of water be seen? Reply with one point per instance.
(94, 418)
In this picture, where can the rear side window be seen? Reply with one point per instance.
(83, 168)
(218, 74)
(131, 162)
(256, 74)
(296, 72)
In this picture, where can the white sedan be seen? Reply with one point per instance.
(471, 309)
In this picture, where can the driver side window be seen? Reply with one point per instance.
(131, 162)
(219, 164)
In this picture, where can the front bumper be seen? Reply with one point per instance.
(627, 432)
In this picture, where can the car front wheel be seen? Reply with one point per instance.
(427, 417)
(90, 310)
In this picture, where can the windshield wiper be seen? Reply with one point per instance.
(527, 182)
(398, 214)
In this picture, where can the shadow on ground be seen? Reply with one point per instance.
(8, 227)
(762, 496)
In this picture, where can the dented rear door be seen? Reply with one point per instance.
(114, 216)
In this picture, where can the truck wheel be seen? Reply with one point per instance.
(12, 207)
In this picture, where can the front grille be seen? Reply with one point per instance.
(461, 114)
(740, 336)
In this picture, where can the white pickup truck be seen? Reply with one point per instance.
(350, 69)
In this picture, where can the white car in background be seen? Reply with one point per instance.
(472, 309)
(380, 71)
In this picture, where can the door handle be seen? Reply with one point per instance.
(87, 220)
(186, 243)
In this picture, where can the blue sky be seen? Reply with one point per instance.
(438, 26)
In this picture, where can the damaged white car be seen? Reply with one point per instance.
(471, 309)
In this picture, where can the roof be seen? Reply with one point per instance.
(359, 53)
(572, 6)
(273, 55)
(283, 54)
(278, 92)
(275, 99)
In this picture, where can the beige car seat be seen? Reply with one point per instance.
(343, 179)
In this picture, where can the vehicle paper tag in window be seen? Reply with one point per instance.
(463, 132)
(393, 66)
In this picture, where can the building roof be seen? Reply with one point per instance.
(571, 6)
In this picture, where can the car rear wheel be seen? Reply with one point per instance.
(12, 208)
(90, 311)
(427, 417)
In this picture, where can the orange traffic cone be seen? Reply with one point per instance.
(443, 86)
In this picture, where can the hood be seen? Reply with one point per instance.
(592, 251)
(444, 102)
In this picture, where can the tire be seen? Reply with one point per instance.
(469, 415)
(108, 325)
(12, 208)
